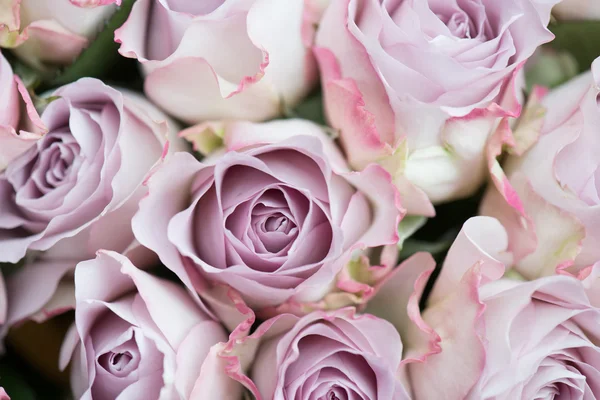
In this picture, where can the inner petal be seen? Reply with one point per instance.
(122, 360)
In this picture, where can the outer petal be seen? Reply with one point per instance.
(94, 3)
(239, 135)
(346, 111)
(502, 201)
(31, 289)
(342, 57)
(391, 299)
(458, 321)
(12, 144)
(239, 353)
(376, 184)
(483, 241)
(169, 196)
(166, 88)
(49, 42)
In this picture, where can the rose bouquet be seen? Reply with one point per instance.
(299, 199)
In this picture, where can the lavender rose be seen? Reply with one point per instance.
(223, 59)
(74, 190)
(335, 356)
(276, 216)
(419, 85)
(137, 336)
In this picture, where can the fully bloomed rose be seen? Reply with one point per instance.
(548, 199)
(577, 9)
(140, 337)
(334, 355)
(276, 216)
(222, 59)
(492, 338)
(418, 86)
(74, 190)
(51, 32)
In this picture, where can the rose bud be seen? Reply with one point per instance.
(419, 86)
(46, 33)
(276, 216)
(222, 59)
(547, 197)
(137, 336)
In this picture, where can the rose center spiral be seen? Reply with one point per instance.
(120, 362)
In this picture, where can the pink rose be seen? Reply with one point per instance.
(140, 337)
(547, 197)
(419, 85)
(276, 217)
(51, 32)
(75, 190)
(224, 59)
(19, 122)
(492, 338)
(3, 395)
(333, 355)
(577, 9)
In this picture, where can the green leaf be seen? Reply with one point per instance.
(15, 385)
(580, 38)
(101, 55)
(436, 248)
(311, 108)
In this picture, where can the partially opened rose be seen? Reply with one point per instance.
(514, 339)
(548, 199)
(419, 85)
(74, 190)
(46, 33)
(140, 337)
(335, 355)
(276, 217)
(19, 122)
(223, 59)
(577, 10)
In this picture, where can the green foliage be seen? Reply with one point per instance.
(101, 56)
(580, 38)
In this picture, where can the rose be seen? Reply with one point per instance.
(548, 199)
(333, 355)
(224, 59)
(14, 99)
(486, 323)
(276, 217)
(51, 32)
(577, 9)
(137, 336)
(419, 86)
(75, 190)
(99, 147)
